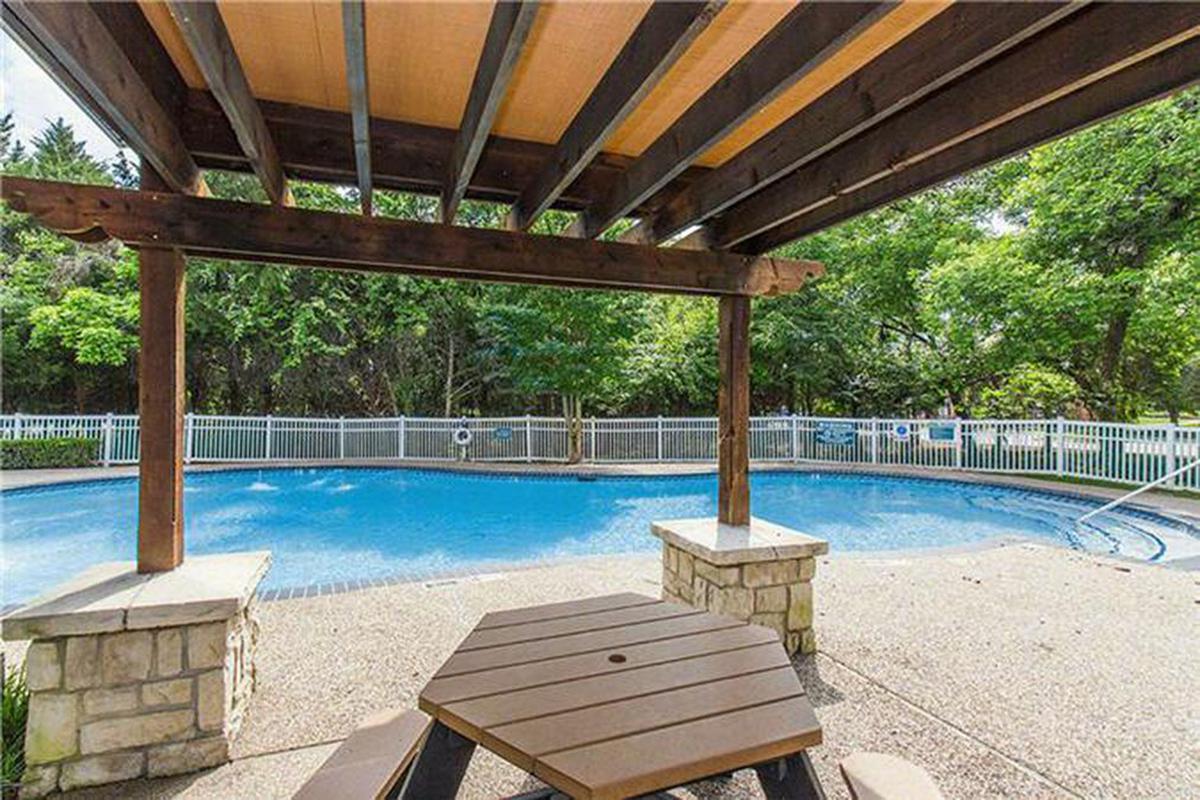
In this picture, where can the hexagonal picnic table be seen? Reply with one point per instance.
(619, 696)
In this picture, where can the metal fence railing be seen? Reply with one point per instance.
(1132, 454)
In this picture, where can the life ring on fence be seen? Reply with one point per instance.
(463, 436)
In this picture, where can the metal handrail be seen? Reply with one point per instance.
(1123, 498)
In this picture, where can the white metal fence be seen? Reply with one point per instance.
(1133, 454)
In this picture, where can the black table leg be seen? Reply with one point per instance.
(440, 766)
(791, 778)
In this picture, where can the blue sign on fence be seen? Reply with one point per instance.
(901, 431)
(838, 433)
(943, 432)
(502, 434)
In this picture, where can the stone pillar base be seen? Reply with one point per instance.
(761, 572)
(138, 675)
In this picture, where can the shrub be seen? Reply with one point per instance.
(47, 453)
(14, 710)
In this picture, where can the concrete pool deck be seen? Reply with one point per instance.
(1017, 671)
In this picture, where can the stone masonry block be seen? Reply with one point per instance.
(735, 601)
(125, 657)
(800, 607)
(701, 592)
(117, 734)
(174, 759)
(206, 645)
(686, 566)
(39, 781)
(103, 702)
(808, 568)
(771, 573)
(50, 730)
(670, 558)
(43, 666)
(720, 576)
(168, 659)
(174, 692)
(106, 768)
(211, 700)
(771, 598)
(82, 663)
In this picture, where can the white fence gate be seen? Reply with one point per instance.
(1132, 454)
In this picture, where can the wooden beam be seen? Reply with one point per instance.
(354, 26)
(1087, 47)
(804, 39)
(161, 402)
(733, 411)
(663, 35)
(208, 40)
(951, 44)
(75, 37)
(1146, 81)
(253, 231)
(317, 144)
(507, 32)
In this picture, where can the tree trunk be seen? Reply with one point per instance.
(573, 415)
(449, 386)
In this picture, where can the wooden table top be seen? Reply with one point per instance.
(621, 695)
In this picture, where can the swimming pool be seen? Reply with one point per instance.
(326, 525)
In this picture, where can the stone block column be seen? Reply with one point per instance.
(761, 572)
(134, 675)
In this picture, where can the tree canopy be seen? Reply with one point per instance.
(1063, 282)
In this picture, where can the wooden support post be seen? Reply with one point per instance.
(733, 409)
(161, 408)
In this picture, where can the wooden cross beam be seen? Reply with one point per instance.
(256, 232)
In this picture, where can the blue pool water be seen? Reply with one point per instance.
(331, 524)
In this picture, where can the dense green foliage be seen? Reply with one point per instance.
(47, 453)
(14, 710)
(1064, 281)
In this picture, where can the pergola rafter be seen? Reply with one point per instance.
(355, 39)
(810, 34)
(948, 46)
(1085, 48)
(759, 122)
(208, 40)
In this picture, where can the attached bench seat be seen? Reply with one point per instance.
(372, 762)
(879, 776)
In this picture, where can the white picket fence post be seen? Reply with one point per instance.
(874, 441)
(658, 445)
(106, 446)
(341, 438)
(958, 444)
(795, 438)
(189, 436)
(402, 433)
(1170, 460)
(528, 438)
(270, 435)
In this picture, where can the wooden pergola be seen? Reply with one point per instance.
(723, 129)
